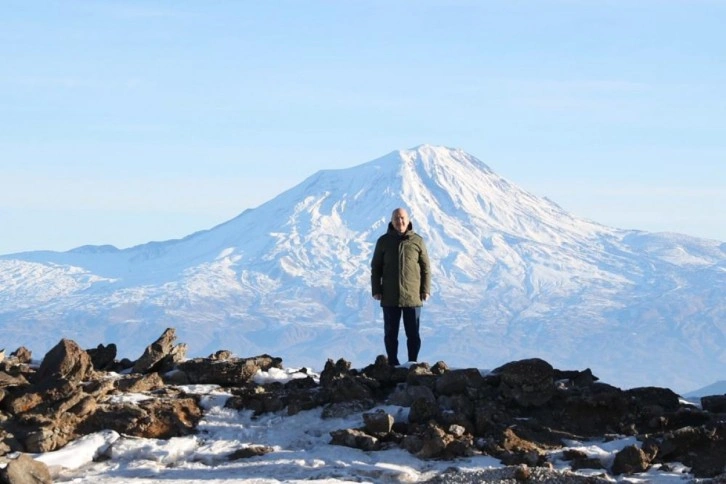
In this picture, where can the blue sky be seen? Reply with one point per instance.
(123, 122)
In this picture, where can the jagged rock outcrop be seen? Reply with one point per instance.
(103, 356)
(521, 413)
(161, 355)
(65, 398)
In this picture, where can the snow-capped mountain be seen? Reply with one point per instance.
(514, 276)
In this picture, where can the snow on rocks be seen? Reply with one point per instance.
(526, 418)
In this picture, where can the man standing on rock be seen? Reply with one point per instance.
(401, 280)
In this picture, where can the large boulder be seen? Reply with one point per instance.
(66, 360)
(459, 382)
(378, 422)
(25, 470)
(528, 383)
(155, 418)
(354, 438)
(703, 449)
(227, 373)
(663, 398)
(714, 403)
(630, 460)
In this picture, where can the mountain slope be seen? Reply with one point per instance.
(514, 276)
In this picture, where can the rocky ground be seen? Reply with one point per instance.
(518, 413)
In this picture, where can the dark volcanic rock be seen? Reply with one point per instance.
(22, 355)
(103, 357)
(157, 418)
(528, 383)
(714, 403)
(250, 451)
(630, 460)
(25, 470)
(519, 413)
(227, 372)
(65, 360)
(161, 355)
(354, 438)
(378, 422)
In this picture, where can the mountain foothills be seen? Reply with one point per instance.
(514, 276)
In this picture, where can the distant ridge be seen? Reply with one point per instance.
(718, 388)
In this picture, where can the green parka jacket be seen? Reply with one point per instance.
(400, 269)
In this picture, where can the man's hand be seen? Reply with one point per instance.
(377, 297)
(424, 296)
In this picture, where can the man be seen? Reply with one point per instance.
(401, 280)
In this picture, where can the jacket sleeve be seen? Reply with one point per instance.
(377, 269)
(425, 266)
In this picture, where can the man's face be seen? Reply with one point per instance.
(399, 219)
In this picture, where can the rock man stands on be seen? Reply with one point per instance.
(401, 280)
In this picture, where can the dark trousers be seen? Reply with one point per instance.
(392, 323)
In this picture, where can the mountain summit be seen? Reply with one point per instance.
(514, 276)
